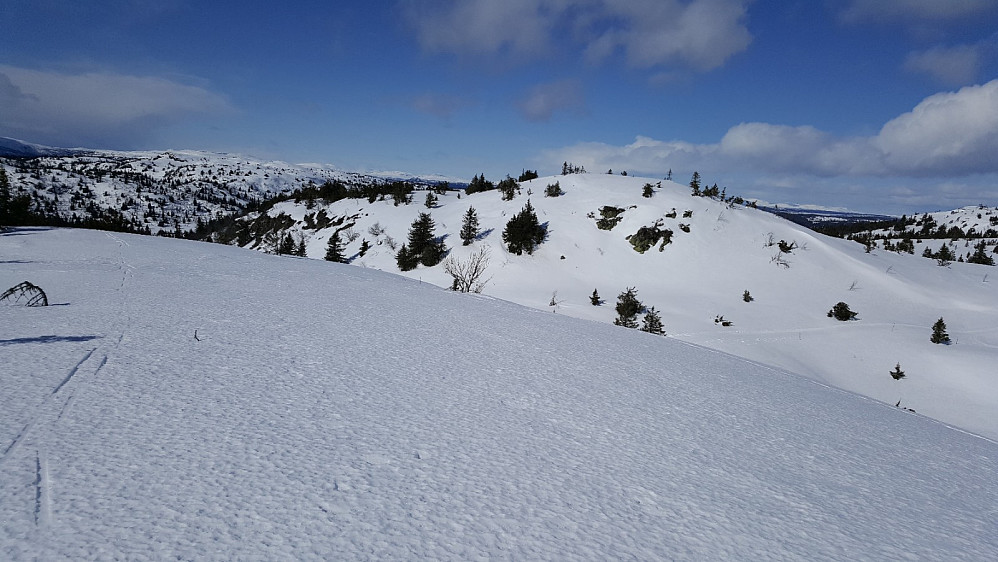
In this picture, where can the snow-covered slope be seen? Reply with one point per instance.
(332, 412)
(703, 275)
(21, 149)
(970, 234)
(159, 190)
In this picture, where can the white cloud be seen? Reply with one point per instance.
(702, 34)
(953, 66)
(95, 107)
(947, 135)
(699, 34)
(514, 27)
(541, 103)
(913, 10)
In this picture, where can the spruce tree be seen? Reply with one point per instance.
(4, 196)
(528, 175)
(523, 232)
(479, 183)
(980, 255)
(405, 259)
(423, 246)
(652, 322)
(334, 249)
(939, 334)
(287, 245)
(469, 228)
(508, 188)
(695, 184)
(628, 307)
(945, 254)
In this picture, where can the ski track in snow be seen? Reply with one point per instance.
(331, 412)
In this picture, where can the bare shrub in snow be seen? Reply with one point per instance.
(469, 275)
(25, 293)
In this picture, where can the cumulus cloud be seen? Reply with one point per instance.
(541, 103)
(952, 66)
(947, 135)
(98, 108)
(879, 11)
(699, 34)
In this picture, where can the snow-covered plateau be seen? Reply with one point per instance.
(186, 400)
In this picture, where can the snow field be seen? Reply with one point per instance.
(331, 411)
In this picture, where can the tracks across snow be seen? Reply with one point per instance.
(57, 402)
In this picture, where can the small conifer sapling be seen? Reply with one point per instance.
(652, 322)
(897, 373)
(939, 334)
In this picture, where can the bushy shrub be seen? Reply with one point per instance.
(610, 216)
(841, 312)
(648, 236)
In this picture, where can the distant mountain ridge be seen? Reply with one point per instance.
(20, 149)
(157, 191)
(816, 219)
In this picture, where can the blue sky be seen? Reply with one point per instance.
(877, 105)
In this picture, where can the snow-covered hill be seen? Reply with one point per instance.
(695, 281)
(969, 234)
(334, 412)
(159, 190)
(702, 276)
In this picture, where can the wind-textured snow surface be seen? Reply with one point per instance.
(333, 412)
